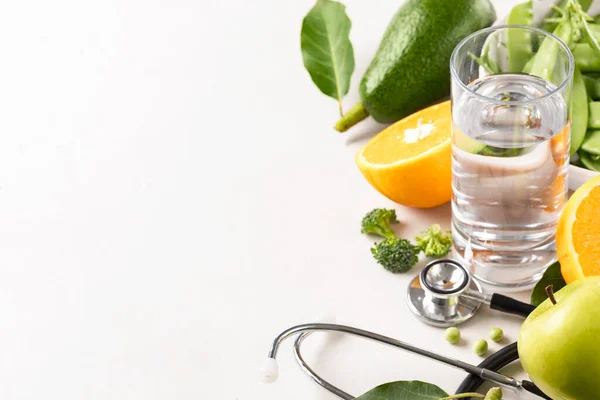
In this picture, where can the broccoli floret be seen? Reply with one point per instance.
(395, 254)
(377, 222)
(434, 242)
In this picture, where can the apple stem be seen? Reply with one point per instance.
(550, 292)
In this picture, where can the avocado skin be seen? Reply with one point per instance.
(411, 68)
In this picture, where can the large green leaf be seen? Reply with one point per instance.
(326, 48)
(404, 390)
(553, 277)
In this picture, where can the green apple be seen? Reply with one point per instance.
(559, 344)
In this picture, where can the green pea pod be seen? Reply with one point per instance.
(543, 62)
(592, 85)
(591, 143)
(579, 106)
(589, 162)
(586, 58)
(550, 26)
(594, 115)
(518, 41)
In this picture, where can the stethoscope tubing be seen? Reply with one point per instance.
(477, 372)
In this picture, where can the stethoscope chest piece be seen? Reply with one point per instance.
(435, 295)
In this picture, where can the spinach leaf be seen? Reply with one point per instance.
(405, 390)
(553, 277)
(326, 49)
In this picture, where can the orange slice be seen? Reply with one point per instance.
(410, 161)
(578, 233)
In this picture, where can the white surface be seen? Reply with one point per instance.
(172, 196)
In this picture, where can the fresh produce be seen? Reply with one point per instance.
(434, 242)
(494, 393)
(592, 85)
(591, 144)
(410, 161)
(578, 233)
(496, 334)
(452, 335)
(518, 42)
(573, 26)
(558, 343)
(580, 111)
(417, 390)
(591, 162)
(552, 276)
(326, 48)
(480, 347)
(395, 254)
(410, 69)
(377, 222)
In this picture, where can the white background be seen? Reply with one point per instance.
(172, 195)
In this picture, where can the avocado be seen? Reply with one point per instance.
(411, 68)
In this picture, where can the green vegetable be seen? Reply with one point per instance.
(377, 222)
(594, 116)
(542, 64)
(553, 277)
(589, 161)
(591, 144)
(494, 393)
(518, 41)
(592, 85)
(395, 254)
(496, 334)
(452, 335)
(410, 69)
(326, 49)
(408, 390)
(579, 107)
(434, 242)
(550, 26)
(480, 347)
(586, 58)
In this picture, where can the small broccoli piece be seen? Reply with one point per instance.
(434, 242)
(395, 254)
(377, 222)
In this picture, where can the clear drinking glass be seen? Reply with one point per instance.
(510, 151)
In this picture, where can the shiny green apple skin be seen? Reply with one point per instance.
(559, 345)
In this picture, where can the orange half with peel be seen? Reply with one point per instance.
(578, 233)
(410, 161)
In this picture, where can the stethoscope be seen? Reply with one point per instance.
(442, 295)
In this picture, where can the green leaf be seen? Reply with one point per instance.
(553, 277)
(404, 390)
(326, 49)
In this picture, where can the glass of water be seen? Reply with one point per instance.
(510, 151)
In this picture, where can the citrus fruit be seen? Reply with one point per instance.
(578, 233)
(410, 161)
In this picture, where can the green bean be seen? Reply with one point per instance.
(592, 85)
(591, 143)
(588, 161)
(545, 59)
(550, 26)
(579, 107)
(586, 58)
(518, 41)
(594, 116)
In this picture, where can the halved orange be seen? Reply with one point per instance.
(410, 161)
(578, 233)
